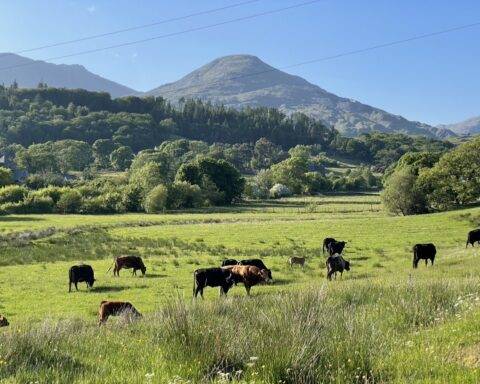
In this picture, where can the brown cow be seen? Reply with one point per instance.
(3, 321)
(116, 308)
(249, 275)
(296, 260)
(127, 262)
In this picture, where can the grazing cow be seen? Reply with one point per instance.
(79, 274)
(326, 243)
(336, 264)
(425, 252)
(257, 263)
(296, 260)
(249, 275)
(3, 321)
(127, 262)
(336, 247)
(473, 236)
(116, 308)
(212, 277)
(228, 262)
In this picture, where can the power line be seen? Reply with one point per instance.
(336, 56)
(134, 28)
(196, 29)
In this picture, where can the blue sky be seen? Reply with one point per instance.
(435, 80)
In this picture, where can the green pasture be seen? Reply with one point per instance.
(383, 322)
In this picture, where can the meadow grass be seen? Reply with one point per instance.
(382, 323)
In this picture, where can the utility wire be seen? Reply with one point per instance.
(196, 29)
(134, 28)
(332, 57)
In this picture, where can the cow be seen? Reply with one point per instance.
(228, 262)
(336, 247)
(425, 252)
(212, 277)
(80, 273)
(326, 243)
(336, 264)
(473, 236)
(257, 263)
(296, 260)
(3, 321)
(127, 262)
(116, 308)
(249, 275)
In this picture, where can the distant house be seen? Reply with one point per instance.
(18, 174)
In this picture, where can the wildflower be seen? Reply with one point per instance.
(253, 358)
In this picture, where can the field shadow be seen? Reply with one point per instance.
(153, 276)
(276, 282)
(108, 289)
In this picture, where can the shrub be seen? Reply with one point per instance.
(132, 198)
(31, 204)
(43, 181)
(69, 202)
(184, 195)
(52, 192)
(6, 176)
(156, 199)
(12, 194)
(279, 190)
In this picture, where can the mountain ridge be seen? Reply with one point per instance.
(244, 80)
(28, 73)
(469, 126)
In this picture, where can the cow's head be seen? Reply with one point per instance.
(230, 279)
(143, 269)
(265, 275)
(347, 265)
(4, 322)
(91, 282)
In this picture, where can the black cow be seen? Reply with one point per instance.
(336, 247)
(256, 263)
(326, 243)
(336, 264)
(227, 262)
(425, 252)
(212, 277)
(79, 274)
(473, 236)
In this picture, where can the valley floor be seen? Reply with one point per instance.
(383, 322)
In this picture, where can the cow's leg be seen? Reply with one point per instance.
(69, 286)
(76, 286)
(247, 287)
(433, 259)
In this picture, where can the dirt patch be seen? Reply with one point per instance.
(469, 356)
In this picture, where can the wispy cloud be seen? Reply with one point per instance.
(92, 8)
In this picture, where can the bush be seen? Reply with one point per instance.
(6, 177)
(278, 191)
(31, 204)
(315, 182)
(43, 181)
(132, 197)
(156, 199)
(184, 195)
(52, 192)
(70, 201)
(12, 194)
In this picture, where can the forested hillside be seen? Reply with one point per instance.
(44, 114)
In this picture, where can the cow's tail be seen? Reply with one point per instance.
(111, 266)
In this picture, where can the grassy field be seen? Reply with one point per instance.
(383, 322)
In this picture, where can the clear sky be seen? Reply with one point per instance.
(434, 80)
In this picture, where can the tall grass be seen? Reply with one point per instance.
(328, 334)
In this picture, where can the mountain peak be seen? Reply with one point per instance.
(239, 81)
